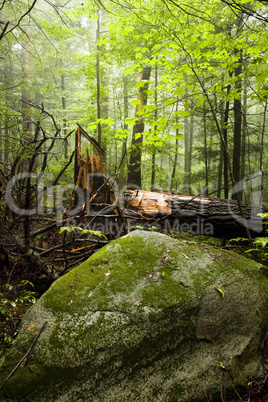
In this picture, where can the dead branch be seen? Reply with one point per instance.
(21, 18)
(26, 354)
(4, 30)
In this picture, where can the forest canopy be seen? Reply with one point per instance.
(164, 100)
(175, 92)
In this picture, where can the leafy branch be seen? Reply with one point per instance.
(83, 231)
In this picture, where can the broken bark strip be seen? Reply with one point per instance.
(217, 217)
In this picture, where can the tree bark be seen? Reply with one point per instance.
(237, 111)
(196, 214)
(134, 168)
(25, 105)
(261, 150)
(98, 77)
(155, 128)
(6, 143)
(225, 138)
(122, 173)
(63, 104)
(237, 123)
(188, 146)
(173, 174)
(205, 150)
(153, 170)
(220, 171)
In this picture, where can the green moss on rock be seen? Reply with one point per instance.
(143, 319)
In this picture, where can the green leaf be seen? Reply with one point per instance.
(165, 52)
(108, 122)
(182, 113)
(66, 228)
(136, 102)
(263, 215)
(178, 126)
(260, 241)
(139, 56)
(250, 251)
(131, 121)
(179, 136)
(237, 239)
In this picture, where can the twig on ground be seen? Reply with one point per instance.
(26, 354)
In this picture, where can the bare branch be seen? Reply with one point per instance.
(21, 18)
(4, 30)
(43, 32)
(59, 14)
(26, 354)
(63, 170)
(234, 5)
(2, 5)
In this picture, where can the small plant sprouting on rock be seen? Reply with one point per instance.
(218, 287)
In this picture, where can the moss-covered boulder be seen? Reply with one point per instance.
(146, 318)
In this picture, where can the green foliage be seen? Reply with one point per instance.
(83, 231)
(192, 67)
(260, 242)
(260, 250)
(24, 297)
(13, 299)
(239, 239)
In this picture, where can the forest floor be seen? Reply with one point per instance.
(258, 389)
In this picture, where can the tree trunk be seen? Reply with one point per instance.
(188, 146)
(261, 150)
(63, 104)
(244, 135)
(220, 170)
(193, 214)
(205, 150)
(237, 112)
(225, 138)
(6, 144)
(155, 128)
(237, 124)
(153, 170)
(134, 168)
(25, 105)
(123, 168)
(173, 174)
(98, 77)
(27, 164)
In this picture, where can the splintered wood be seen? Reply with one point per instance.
(90, 169)
(150, 203)
(90, 173)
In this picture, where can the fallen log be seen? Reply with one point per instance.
(195, 214)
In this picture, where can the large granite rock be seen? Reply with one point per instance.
(146, 318)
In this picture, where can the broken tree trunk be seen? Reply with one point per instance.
(90, 175)
(93, 205)
(91, 178)
(194, 214)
